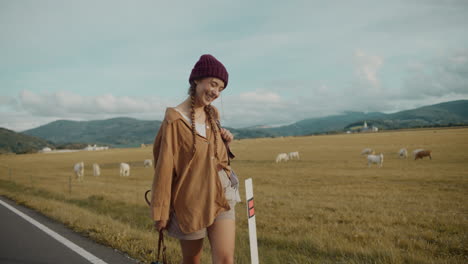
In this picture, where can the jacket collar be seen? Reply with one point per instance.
(173, 115)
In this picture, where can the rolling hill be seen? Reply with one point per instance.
(13, 142)
(127, 132)
(443, 114)
(120, 131)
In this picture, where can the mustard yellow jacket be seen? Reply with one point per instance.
(184, 181)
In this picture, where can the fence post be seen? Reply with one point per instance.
(136, 191)
(69, 183)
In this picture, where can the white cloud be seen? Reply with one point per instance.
(8, 103)
(459, 59)
(439, 80)
(446, 75)
(367, 67)
(21, 120)
(286, 62)
(260, 97)
(67, 104)
(33, 109)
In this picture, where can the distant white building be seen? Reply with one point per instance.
(88, 148)
(365, 128)
(92, 148)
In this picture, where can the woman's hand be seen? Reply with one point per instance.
(226, 135)
(160, 224)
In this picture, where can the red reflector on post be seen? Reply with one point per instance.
(251, 212)
(251, 203)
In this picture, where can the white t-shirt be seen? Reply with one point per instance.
(200, 127)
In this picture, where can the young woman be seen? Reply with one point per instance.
(192, 196)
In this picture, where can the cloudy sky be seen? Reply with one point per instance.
(287, 60)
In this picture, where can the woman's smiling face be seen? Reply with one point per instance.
(208, 90)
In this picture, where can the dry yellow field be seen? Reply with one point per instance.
(327, 207)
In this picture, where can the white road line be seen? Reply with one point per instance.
(85, 254)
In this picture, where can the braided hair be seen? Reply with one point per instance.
(192, 118)
(209, 113)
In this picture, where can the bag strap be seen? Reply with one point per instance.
(161, 243)
(160, 239)
(230, 154)
(146, 197)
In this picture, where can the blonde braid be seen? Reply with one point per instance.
(209, 113)
(192, 117)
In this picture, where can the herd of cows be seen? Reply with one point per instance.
(287, 156)
(372, 158)
(124, 169)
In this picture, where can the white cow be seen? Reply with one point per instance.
(377, 159)
(367, 151)
(79, 170)
(293, 155)
(403, 153)
(124, 169)
(96, 169)
(148, 163)
(282, 157)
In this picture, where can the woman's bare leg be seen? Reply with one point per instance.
(191, 251)
(222, 236)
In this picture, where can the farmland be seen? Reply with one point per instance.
(327, 207)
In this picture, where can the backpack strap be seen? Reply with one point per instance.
(230, 154)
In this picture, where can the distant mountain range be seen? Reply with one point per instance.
(443, 114)
(120, 131)
(130, 132)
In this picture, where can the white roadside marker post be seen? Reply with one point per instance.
(251, 220)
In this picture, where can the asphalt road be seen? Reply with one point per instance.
(24, 242)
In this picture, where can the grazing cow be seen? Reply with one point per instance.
(124, 169)
(96, 170)
(403, 153)
(293, 155)
(148, 163)
(79, 170)
(282, 157)
(45, 149)
(377, 159)
(367, 151)
(423, 153)
(416, 152)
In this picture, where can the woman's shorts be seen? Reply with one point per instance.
(232, 196)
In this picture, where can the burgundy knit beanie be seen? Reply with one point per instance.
(209, 66)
